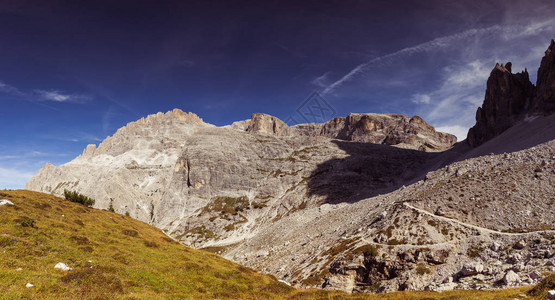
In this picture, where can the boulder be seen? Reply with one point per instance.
(62, 266)
(551, 295)
(5, 202)
(535, 275)
(471, 269)
(520, 245)
(445, 287)
(511, 278)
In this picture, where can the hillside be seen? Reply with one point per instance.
(110, 255)
(116, 257)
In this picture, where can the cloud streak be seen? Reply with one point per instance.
(43, 95)
(10, 90)
(57, 96)
(13, 178)
(507, 31)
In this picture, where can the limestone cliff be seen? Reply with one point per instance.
(387, 129)
(511, 97)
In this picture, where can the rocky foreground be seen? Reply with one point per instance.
(362, 203)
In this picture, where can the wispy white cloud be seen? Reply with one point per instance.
(452, 106)
(57, 96)
(456, 130)
(322, 80)
(30, 154)
(14, 178)
(507, 31)
(42, 95)
(441, 42)
(421, 98)
(11, 90)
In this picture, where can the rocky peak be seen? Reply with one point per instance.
(266, 124)
(389, 129)
(510, 97)
(545, 84)
(167, 127)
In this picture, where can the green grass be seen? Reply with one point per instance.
(116, 257)
(128, 258)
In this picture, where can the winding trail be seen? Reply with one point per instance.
(482, 230)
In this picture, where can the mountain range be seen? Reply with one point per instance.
(367, 202)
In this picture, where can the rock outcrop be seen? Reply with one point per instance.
(266, 124)
(511, 97)
(387, 129)
(545, 85)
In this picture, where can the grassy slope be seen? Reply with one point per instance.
(115, 256)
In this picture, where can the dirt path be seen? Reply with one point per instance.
(482, 230)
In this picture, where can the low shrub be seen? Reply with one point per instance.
(78, 198)
(28, 222)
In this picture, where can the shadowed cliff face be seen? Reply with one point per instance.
(369, 170)
(511, 97)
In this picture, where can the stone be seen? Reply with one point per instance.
(62, 266)
(551, 295)
(495, 246)
(535, 275)
(29, 285)
(511, 278)
(5, 202)
(520, 245)
(514, 258)
(445, 287)
(471, 269)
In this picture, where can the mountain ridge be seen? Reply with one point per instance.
(352, 212)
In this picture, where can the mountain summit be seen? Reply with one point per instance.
(512, 97)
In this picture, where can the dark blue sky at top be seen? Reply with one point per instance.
(73, 72)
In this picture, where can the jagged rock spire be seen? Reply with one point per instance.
(510, 97)
(545, 102)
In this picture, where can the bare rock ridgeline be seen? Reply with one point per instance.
(387, 129)
(511, 97)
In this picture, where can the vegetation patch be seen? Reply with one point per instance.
(27, 222)
(201, 231)
(78, 198)
(130, 232)
(422, 269)
(87, 278)
(227, 205)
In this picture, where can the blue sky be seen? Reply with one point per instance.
(73, 72)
